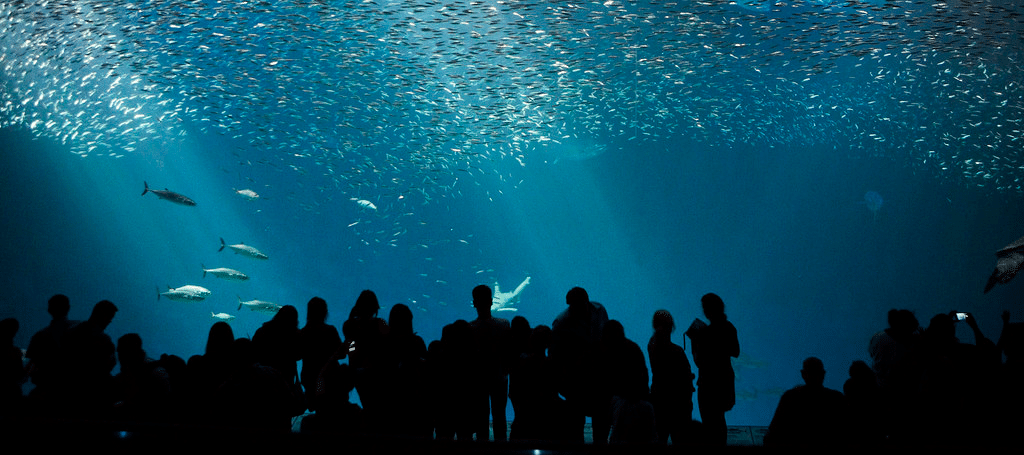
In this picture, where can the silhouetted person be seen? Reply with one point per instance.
(12, 370)
(142, 389)
(864, 402)
(1011, 342)
(277, 342)
(811, 415)
(178, 405)
(575, 351)
(713, 345)
(91, 357)
(47, 365)
(957, 380)
(671, 381)
(630, 411)
(895, 359)
(364, 333)
(493, 346)
(519, 344)
(519, 336)
(207, 372)
(892, 352)
(456, 383)
(255, 397)
(406, 376)
(540, 414)
(438, 408)
(1011, 375)
(318, 341)
(335, 415)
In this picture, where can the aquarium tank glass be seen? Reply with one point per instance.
(814, 163)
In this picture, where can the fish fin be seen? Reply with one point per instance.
(239, 302)
(144, 191)
(221, 244)
(992, 280)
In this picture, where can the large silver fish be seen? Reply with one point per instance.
(261, 306)
(169, 195)
(221, 316)
(243, 249)
(225, 274)
(186, 293)
(1010, 259)
(248, 194)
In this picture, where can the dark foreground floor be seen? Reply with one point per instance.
(49, 436)
(108, 438)
(739, 436)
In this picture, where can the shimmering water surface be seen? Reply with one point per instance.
(648, 151)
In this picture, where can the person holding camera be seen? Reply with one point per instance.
(713, 344)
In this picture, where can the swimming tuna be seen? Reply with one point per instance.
(169, 195)
(259, 305)
(248, 194)
(225, 274)
(243, 249)
(186, 293)
(221, 316)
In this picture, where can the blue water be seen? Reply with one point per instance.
(778, 229)
(873, 200)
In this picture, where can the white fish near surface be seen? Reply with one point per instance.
(506, 301)
(366, 204)
(225, 274)
(221, 316)
(243, 249)
(186, 293)
(248, 194)
(261, 306)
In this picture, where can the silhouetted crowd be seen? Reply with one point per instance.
(922, 385)
(923, 388)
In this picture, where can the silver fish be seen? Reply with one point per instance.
(221, 316)
(169, 195)
(186, 293)
(261, 306)
(225, 274)
(243, 249)
(248, 194)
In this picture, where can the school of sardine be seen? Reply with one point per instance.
(403, 99)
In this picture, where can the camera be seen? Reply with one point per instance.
(696, 327)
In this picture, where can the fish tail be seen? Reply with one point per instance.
(222, 249)
(144, 191)
(158, 293)
(204, 269)
(992, 280)
(239, 302)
